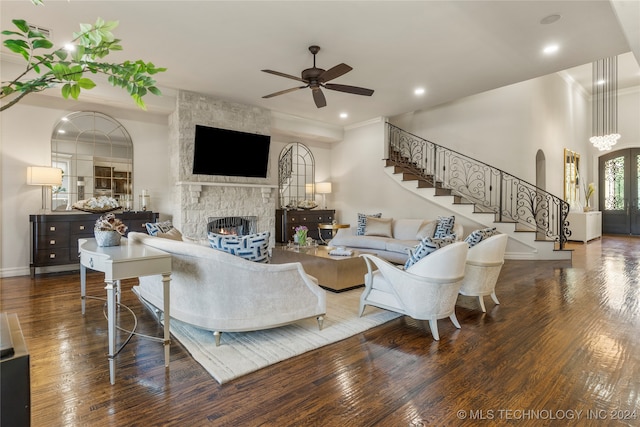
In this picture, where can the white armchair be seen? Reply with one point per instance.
(484, 262)
(425, 291)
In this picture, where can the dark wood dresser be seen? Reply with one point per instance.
(54, 237)
(288, 220)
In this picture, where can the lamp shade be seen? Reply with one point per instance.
(323, 187)
(44, 175)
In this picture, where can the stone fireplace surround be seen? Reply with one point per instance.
(199, 197)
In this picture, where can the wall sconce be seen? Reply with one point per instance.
(46, 177)
(323, 188)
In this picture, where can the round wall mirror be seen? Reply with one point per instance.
(296, 175)
(95, 154)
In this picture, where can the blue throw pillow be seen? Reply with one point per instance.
(153, 228)
(478, 236)
(427, 246)
(254, 247)
(362, 222)
(444, 226)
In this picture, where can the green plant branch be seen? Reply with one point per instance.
(92, 43)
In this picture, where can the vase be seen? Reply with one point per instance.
(106, 238)
(302, 237)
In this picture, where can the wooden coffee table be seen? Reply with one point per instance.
(336, 273)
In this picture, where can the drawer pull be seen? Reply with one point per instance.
(52, 256)
(52, 242)
(52, 228)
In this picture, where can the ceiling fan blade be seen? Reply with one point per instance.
(289, 76)
(319, 98)
(282, 92)
(335, 72)
(350, 89)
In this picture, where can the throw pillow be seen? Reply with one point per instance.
(254, 247)
(378, 227)
(362, 222)
(426, 230)
(173, 234)
(444, 226)
(478, 236)
(154, 227)
(427, 246)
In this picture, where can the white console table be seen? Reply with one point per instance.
(126, 261)
(585, 226)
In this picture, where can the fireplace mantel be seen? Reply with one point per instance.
(195, 188)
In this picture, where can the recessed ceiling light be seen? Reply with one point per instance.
(343, 115)
(419, 91)
(600, 82)
(62, 131)
(550, 19)
(552, 48)
(69, 47)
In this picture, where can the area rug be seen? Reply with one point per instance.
(240, 353)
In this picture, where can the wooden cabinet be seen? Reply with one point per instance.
(54, 237)
(585, 226)
(288, 220)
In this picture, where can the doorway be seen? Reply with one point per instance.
(619, 191)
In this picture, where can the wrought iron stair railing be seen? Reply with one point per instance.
(492, 190)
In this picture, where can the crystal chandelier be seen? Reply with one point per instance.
(605, 103)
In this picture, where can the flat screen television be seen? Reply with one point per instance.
(230, 153)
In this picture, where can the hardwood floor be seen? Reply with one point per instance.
(563, 348)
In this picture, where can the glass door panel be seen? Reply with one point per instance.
(620, 192)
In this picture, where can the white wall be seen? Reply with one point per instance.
(361, 185)
(506, 127)
(25, 138)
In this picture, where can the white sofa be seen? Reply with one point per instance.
(405, 235)
(217, 291)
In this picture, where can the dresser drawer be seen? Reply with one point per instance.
(56, 230)
(82, 228)
(53, 256)
(137, 225)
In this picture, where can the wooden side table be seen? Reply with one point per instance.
(333, 227)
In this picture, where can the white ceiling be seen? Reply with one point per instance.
(451, 48)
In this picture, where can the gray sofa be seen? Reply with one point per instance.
(392, 246)
(217, 291)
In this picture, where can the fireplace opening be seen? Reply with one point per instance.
(232, 225)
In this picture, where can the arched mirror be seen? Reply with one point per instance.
(296, 175)
(95, 154)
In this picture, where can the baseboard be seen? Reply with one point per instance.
(14, 271)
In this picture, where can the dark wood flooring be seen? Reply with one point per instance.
(563, 348)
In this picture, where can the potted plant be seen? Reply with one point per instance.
(108, 230)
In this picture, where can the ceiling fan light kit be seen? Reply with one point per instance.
(316, 78)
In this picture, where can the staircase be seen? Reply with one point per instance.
(534, 219)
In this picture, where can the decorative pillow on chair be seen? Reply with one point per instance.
(444, 226)
(154, 227)
(478, 236)
(427, 246)
(254, 247)
(362, 222)
(378, 227)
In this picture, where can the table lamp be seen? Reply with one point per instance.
(323, 188)
(46, 177)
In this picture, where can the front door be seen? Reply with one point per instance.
(620, 191)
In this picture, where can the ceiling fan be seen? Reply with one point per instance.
(317, 78)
